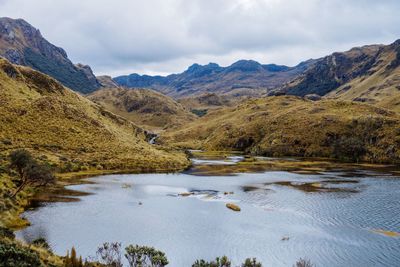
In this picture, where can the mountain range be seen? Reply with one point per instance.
(244, 77)
(369, 73)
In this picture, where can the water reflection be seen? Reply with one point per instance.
(334, 216)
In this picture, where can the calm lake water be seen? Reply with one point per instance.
(333, 218)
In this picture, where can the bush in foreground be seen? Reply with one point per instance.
(12, 255)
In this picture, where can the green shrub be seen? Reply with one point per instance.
(145, 256)
(41, 242)
(13, 255)
(219, 262)
(349, 148)
(5, 232)
(251, 263)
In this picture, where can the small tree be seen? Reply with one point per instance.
(29, 170)
(142, 256)
(251, 263)
(110, 254)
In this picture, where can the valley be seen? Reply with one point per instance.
(248, 160)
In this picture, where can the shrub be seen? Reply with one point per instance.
(251, 263)
(219, 262)
(145, 256)
(303, 263)
(110, 254)
(5, 232)
(12, 255)
(41, 242)
(349, 148)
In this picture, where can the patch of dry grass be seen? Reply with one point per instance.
(292, 126)
(145, 107)
(63, 128)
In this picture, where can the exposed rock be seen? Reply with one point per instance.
(313, 97)
(244, 77)
(233, 207)
(106, 81)
(22, 44)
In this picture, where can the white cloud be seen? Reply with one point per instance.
(164, 36)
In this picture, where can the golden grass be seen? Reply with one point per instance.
(144, 107)
(62, 127)
(291, 126)
(380, 87)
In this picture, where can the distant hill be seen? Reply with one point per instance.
(60, 126)
(206, 101)
(145, 107)
(22, 44)
(292, 126)
(244, 77)
(365, 74)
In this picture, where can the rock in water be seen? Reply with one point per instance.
(233, 207)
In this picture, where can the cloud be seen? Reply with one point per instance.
(164, 36)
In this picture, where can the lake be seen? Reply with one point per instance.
(333, 216)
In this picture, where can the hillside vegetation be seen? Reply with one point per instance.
(292, 126)
(145, 107)
(39, 114)
(380, 86)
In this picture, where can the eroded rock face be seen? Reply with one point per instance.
(23, 44)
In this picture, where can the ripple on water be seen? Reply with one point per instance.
(332, 218)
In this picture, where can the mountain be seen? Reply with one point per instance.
(69, 131)
(106, 81)
(292, 126)
(22, 44)
(366, 74)
(244, 77)
(144, 107)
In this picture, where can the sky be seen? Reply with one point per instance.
(166, 36)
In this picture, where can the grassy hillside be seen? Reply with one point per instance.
(68, 130)
(381, 86)
(369, 74)
(145, 107)
(202, 104)
(292, 126)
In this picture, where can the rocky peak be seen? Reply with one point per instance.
(23, 44)
(246, 66)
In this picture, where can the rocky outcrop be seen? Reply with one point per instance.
(23, 44)
(106, 81)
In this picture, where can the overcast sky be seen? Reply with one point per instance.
(166, 36)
